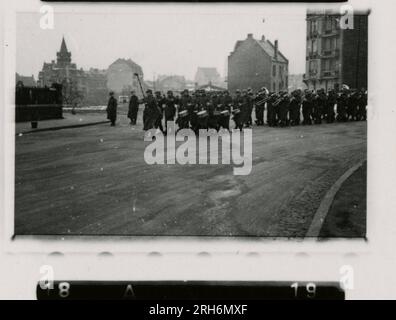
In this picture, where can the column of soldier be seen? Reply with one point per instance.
(213, 110)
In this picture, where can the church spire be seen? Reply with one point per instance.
(63, 56)
(63, 47)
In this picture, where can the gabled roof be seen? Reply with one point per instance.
(130, 63)
(266, 45)
(269, 48)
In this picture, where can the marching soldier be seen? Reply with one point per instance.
(160, 102)
(237, 110)
(151, 112)
(362, 105)
(183, 117)
(214, 110)
(330, 103)
(259, 106)
(283, 108)
(225, 111)
(112, 109)
(342, 104)
(133, 107)
(271, 112)
(170, 109)
(250, 104)
(307, 108)
(319, 106)
(294, 108)
(203, 112)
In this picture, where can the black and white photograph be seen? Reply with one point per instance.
(192, 123)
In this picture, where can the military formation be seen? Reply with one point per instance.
(214, 110)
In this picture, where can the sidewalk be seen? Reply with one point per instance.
(69, 121)
(347, 215)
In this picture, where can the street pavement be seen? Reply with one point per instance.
(94, 180)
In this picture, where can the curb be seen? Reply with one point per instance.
(64, 127)
(324, 207)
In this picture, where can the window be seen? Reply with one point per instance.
(314, 46)
(274, 70)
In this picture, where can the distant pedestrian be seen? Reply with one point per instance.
(112, 109)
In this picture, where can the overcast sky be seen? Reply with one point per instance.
(160, 39)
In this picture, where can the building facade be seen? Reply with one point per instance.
(335, 55)
(121, 78)
(96, 87)
(256, 64)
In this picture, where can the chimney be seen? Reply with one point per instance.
(250, 35)
(263, 38)
(276, 49)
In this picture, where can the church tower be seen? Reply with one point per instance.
(63, 56)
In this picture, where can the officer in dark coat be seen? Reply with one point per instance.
(353, 105)
(112, 109)
(151, 111)
(133, 107)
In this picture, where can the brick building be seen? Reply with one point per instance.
(256, 64)
(336, 56)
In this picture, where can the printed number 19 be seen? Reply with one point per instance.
(310, 287)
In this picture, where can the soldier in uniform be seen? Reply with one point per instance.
(170, 109)
(271, 113)
(362, 105)
(307, 108)
(160, 102)
(319, 106)
(250, 105)
(214, 110)
(183, 118)
(259, 103)
(330, 103)
(133, 107)
(151, 112)
(224, 118)
(203, 105)
(112, 109)
(295, 107)
(283, 109)
(342, 104)
(237, 110)
(353, 106)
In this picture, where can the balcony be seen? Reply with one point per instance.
(329, 74)
(330, 32)
(331, 53)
